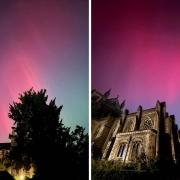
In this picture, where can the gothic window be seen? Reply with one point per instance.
(136, 150)
(122, 150)
(147, 124)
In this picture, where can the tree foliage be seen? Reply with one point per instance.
(41, 139)
(115, 170)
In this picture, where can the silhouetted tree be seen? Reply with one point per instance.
(40, 138)
(77, 153)
(4, 175)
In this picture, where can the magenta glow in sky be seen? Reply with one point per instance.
(44, 44)
(136, 51)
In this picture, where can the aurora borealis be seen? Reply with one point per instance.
(135, 51)
(44, 44)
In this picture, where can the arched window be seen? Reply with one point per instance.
(136, 150)
(147, 123)
(122, 150)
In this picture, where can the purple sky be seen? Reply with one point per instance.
(136, 51)
(44, 44)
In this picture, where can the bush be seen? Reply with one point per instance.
(115, 170)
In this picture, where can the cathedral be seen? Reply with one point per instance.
(147, 134)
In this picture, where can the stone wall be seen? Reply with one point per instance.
(150, 132)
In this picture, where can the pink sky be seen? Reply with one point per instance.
(135, 51)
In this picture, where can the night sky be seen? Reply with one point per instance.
(136, 51)
(44, 44)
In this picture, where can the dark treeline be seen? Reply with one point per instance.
(40, 139)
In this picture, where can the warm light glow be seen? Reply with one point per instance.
(21, 177)
(22, 173)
